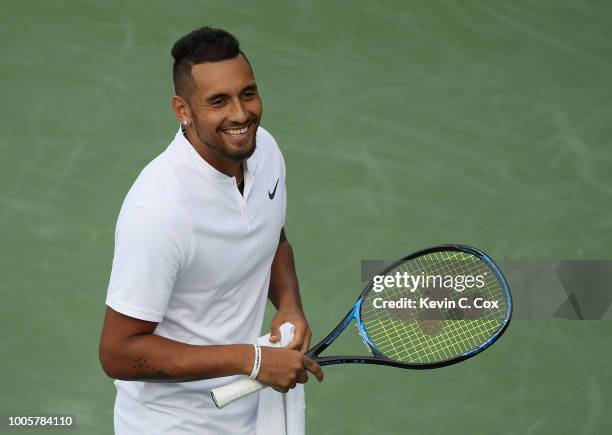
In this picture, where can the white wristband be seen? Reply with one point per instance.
(257, 362)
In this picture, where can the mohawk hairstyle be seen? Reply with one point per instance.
(203, 45)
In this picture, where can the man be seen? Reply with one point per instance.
(199, 245)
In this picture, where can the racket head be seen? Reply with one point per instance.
(430, 337)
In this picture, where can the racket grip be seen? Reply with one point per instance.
(226, 394)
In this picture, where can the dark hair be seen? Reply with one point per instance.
(205, 44)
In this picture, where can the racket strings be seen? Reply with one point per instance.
(429, 335)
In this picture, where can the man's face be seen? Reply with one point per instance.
(226, 107)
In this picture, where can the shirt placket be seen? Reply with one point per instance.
(243, 199)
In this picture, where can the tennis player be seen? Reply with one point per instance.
(199, 246)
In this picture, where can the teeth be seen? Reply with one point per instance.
(236, 131)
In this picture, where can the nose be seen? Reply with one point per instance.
(238, 113)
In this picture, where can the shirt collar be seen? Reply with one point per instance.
(196, 161)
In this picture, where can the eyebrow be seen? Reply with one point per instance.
(251, 87)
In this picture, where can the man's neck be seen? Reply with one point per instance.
(225, 166)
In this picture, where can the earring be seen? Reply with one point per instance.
(185, 123)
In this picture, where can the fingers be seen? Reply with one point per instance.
(306, 342)
(280, 390)
(283, 369)
(274, 333)
(314, 368)
(298, 338)
(301, 338)
(302, 377)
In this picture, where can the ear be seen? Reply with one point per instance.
(181, 109)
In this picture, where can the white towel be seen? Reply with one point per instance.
(278, 413)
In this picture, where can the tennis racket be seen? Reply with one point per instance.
(432, 308)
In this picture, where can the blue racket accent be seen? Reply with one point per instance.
(362, 332)
(336, 332)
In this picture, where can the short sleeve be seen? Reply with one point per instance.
(153, 244)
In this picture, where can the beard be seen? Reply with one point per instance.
(220, 147)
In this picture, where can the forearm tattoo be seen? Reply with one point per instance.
(143, 370)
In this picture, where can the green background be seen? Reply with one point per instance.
(403, 125)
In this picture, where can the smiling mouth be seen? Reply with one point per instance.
(236, 132)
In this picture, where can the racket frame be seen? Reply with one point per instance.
(377, 357)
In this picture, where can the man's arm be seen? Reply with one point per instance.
(284, 293)
(130, 351)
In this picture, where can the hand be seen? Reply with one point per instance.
(302, 333)
(282, 368)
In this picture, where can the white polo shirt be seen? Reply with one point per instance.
(194, 254)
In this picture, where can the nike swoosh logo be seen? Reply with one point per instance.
(271, 195)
